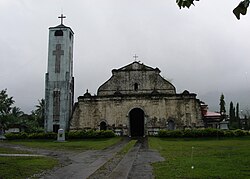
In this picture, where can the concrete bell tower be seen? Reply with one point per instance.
(59, 82)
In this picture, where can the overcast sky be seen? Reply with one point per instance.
(204, 49)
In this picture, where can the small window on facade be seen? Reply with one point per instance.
(136, 86)
(59, 33)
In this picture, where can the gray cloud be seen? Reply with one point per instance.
(203, 49)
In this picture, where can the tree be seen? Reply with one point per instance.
(237, 111)
(14, 117)
(234, 116)
(231, 112)
(185, 3)
(39, 112)
(240, 9)
(5, 102)
(237, 116)
(222, 104)
(5, 108)
(16, 112)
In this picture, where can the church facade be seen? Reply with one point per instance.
(136, 101)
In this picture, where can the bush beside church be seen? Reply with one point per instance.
(91, 134)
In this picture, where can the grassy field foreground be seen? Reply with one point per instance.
(23, 167)
(202, 158)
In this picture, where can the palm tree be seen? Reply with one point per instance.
(16, 112)
(39, 112)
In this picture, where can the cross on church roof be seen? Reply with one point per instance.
(135, 57)
(62, 17)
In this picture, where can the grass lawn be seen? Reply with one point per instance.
(127, 147)
(23, 167)
(75, 145)
(202, 158)
(4, 150)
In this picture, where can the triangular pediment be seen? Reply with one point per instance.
(136, 66)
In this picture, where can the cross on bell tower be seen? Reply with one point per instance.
(62, 17)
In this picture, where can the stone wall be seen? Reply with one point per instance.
(138, 92)
(91, 111)
(136, 78)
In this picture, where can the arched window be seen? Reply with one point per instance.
(136, 86)
(59, 33)
(103, 126)
(171, 125)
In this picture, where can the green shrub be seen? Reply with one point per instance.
(107, 134)
(35, 136)
(170, 133)
(188, 133)
(23, 135)
(208, 132)
(238, 133)
(176, 133)
(229, 133)
(163, 133)
(73, 135)
(12, 136)
(42, 135)
(90, 134)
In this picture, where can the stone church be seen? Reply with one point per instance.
(135, 101)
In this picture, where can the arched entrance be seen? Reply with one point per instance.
(136, 120)
(171, 125)
(103, 126)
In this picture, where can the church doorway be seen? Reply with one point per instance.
(56, 127)
(136, 120)
(171, 125)
(103, 126)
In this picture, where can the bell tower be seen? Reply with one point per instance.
(59, 80)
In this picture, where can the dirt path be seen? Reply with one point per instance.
(136, 164)
(141, 167)
(86, 163)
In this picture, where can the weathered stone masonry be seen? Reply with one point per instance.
(137, 100)
(59, 81)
